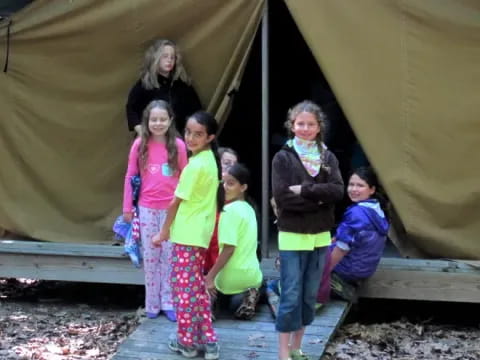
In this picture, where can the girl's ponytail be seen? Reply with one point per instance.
(220, 190)
(384, 203)
(241, 173)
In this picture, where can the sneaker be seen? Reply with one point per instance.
(170, 315)
(212, 351)
(186, 351)
(342, 288)
(298, 355)
(151, 315)
(246, 310)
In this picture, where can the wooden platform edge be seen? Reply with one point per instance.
(67, 262)
(430, 280)
(396, 278)
(346, 308)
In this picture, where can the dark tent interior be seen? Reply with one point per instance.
(294, 76)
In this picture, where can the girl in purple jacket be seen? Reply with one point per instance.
(360, 237)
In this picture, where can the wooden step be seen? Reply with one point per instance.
(67, 262)
(420, 279)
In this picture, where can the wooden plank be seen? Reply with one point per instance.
(422, 285)
(420, 279)
(255, 339)
(166, 354)
(60, 249)
(449, 266)
(70, 268)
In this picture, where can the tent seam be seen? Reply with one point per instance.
(406, 110)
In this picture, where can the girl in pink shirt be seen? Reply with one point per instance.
(159, 156)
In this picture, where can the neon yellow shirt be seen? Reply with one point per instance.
(195, 219)
(296, 241)
(238, 227)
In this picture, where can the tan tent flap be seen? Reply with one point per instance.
(407, 75)
(63, 133)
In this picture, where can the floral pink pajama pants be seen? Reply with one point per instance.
(156, 262)
(194, 317)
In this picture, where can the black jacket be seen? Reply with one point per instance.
(182, 97)
(312, 211)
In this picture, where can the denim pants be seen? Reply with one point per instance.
(300, 274)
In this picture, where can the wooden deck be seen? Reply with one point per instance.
(396, 278)
(255, 339)
(419, 279)
(67, 262)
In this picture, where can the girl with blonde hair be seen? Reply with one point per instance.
(162, 77)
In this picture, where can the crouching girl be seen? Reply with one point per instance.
(237, 270)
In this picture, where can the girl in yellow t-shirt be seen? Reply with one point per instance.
(237, 270)
(189, 225)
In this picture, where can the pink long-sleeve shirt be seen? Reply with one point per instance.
(158, 181)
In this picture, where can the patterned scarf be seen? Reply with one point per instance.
(309, 154)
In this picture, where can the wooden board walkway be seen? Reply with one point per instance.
(255, 339)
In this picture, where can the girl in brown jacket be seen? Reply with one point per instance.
(306, 183)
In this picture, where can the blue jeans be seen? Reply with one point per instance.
(300, 274)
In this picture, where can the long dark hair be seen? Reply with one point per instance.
(367, 174)
(241, 173)
(211, 127)
(170, 136)
(226, 150)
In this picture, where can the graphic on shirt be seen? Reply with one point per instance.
(153, 168)
(166, 170)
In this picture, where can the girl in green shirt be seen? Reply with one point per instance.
(237, 269)
(189, 225)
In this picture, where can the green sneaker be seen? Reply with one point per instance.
(186, 351)
(342, 288)
(298, 355)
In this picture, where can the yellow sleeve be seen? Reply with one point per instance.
(187, 181)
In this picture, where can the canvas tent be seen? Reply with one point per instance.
(405, 72)
(63, 138)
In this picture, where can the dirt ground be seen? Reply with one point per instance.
(57, 321)
(51, 320)
(408, 330)
(403, 340)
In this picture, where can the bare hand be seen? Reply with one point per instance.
(160, 237)
(128, 216)
(210, 286)
(296, 189)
